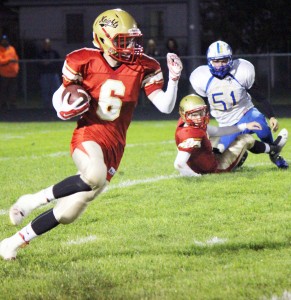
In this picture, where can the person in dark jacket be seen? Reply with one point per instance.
(49, 69)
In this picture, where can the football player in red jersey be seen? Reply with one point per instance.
(113, 75)
(195, 153)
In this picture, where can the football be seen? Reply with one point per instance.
(76, 91)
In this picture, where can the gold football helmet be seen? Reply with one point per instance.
(115, 32)
(194, 104)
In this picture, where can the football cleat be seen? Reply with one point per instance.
(243, 159)
(276, 148)
(6, 251)
(21, 209)
(280, 162)
(9, 246)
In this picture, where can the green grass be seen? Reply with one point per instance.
(152, 234)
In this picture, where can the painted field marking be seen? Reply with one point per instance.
(67, 153)
(3, 212)
(128, 183)
(213, 241)
(82, 240)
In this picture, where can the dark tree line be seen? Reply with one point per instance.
(249, 26)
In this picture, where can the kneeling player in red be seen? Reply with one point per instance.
(195, 153)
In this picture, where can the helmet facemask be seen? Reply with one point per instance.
(195, 106)
(127, 47)
(221, 71)
(201, 118)
(217, 51)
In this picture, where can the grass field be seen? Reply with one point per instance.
(152, 234)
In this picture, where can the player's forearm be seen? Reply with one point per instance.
(57, 100)
(185, 170)
(181, 165)
(220, 131)
(165, 101)
(258, 95)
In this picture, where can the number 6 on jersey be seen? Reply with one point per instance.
(109, 104)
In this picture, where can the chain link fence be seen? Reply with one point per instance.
(273, 73)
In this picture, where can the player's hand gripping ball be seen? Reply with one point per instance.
(75, 101)
(76, 92)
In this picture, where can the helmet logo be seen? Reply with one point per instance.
(107, 22)
(219, 48)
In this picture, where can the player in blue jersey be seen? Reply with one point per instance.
(229, 86)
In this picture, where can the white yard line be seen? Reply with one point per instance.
(285, 296)
(213, 241)
(128, 183)
(3, 212)
(150, 144)
(82, 240)
(67, 153)
(55, 154)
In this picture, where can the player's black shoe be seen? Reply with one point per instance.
(243, 159)
(276, 148)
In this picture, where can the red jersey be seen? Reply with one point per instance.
(196, 142)
(114, 93)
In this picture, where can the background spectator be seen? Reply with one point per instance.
(49, 72)
(151, 48)
(9, 69)
(172, 46)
